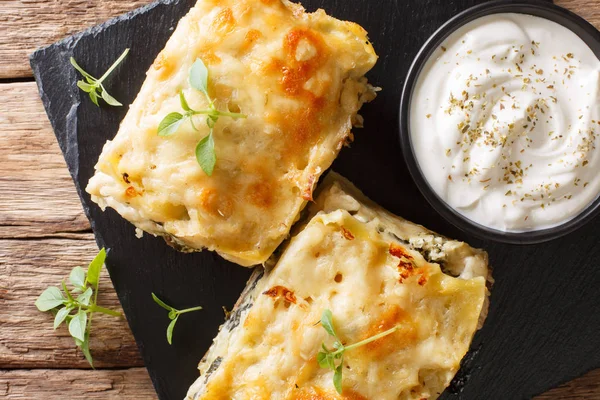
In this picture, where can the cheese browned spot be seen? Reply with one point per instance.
(346, 233)
(131, 192)
(318, 394)
(391, 317)
(277, 292)
(224, 22)
(273, 349)
(406, 265)
(297, 77)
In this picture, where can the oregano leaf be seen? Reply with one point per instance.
(50, 298)
(162, 303)
(337, 379)
(170, 124)
(60, 316)
(78, 324)
(170, 330)
(95, 267)
(183, 101)
(111, 101)
(199, 76)
(86, 87)
(94, 98)
(205, 154)
(77, 278)
(322, 360)
(84, 298)
(327, 322)
(85, 349)
(81, 70)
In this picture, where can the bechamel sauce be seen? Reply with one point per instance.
(505, 122)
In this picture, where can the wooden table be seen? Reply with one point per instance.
(44, 233)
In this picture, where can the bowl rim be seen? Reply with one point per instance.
(540, 8)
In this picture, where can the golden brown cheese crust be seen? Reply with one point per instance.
(298, 77)
(358, 261)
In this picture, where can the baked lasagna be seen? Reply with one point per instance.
(297, 77)
(374, 271)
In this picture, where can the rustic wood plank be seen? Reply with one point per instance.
(589, 10)
(52, 384)
(585, 388)
(27, 25)
(38, 196)
(27, 339)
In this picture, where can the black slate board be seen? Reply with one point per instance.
(543, 323)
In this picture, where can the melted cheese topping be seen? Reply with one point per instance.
(299, 79)
(371, 284)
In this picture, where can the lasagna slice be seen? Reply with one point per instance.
(297, 77)
(374, 271)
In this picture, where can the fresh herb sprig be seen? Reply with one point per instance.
(94, 87)
(205, 150)
(173, 315)
(334, 358)
(75, 310)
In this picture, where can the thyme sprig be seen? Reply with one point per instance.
(334, 358)
(173, 315)
(95, 87)
(205, 149)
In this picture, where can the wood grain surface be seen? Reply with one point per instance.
(54, 384)
(27, 25)
(44, 233)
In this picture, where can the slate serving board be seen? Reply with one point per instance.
(543, 325)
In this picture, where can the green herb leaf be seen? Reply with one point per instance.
(162, 303)
(192, 122)
(199, 77)
(211, 121)
(111, 101)
(327, 322)
(78, 324)
(205, 154)
(322, 360)
(94, 86)
(327, 358)
(94, 98)
(66, 290)
(170, 124)
(77, 278)
(81, 71)
(183, 101)
(60, 316)
(84, 298)
(170, 330)
(86, 87)
(337, 379)
(205, 149)
(50, 298)
(114, 65)
(85, 349)
(173, 315)
(95, 267)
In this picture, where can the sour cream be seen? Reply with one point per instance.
(505, 122)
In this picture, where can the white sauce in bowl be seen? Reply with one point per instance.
(504, 122)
